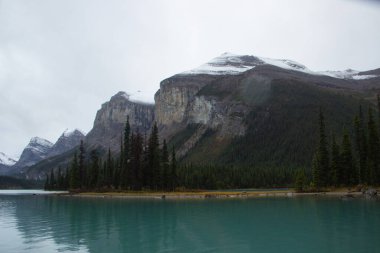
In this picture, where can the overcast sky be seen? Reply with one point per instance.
(60, 60)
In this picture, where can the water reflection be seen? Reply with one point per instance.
(64, 224)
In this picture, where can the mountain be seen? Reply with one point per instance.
(232, 64)
(67, 141)
(40, 150)
(111, 118)
(6, 160)
(6, 163)
(106, 133)
(256, 111)
(35, 151)
(236, 109)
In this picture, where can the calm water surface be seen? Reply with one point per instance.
(43, 223)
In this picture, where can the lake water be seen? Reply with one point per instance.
(43, 223)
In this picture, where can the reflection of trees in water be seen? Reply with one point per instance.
(97, 224)
(119, 225)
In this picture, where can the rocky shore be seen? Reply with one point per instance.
(371, 193)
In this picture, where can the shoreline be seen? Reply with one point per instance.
(213, 195)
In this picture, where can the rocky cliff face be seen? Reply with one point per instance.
(179, 103)
(68, 140)
(37, 150)
(111, 118)
(221, 95)
(40, 149)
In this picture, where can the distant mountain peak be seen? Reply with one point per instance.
(233, 64)
(6, 160)
(39, 142)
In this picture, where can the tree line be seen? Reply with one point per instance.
(352, 161)
(348, 159)
(141, 164)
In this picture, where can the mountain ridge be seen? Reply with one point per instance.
(233, 64)
(235, 117)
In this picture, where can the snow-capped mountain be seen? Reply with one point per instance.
(347, 74)
(35, 151)
(68, 140)
(232, 64)
(6, 160)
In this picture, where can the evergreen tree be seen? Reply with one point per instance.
(136, 161)
(74, 173)
(109, 169)
(67, 179)
(82, 169)
(127, 174)
(165, 166)
(349, 175)
(300, 182)
(335, 170)
(154, 159)
(47, 183)
(321, 171)
(52, 182)
(315, 167)
(361, 147)
(145, 164)
(94, 169)
(60, 180)
(173, 174)
(373, 150)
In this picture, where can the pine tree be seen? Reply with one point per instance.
(82, 169)
(52, 182)
(47, 183)
(136, 154)
(74, 173)
(361, 147)
(125, 156)
(321, 170)
(145, 171)
(154, 159)
(109, 169)
(173, 174)
(347, 161)
(164, 166)
(373, 150)
(315, 167)
(300, 182)
(94, 169)
(335, 163)
(60, 180)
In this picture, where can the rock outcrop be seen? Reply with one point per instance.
(111, 118)
(226, 94)
(37, 150)
(179, 102)
(68, 140)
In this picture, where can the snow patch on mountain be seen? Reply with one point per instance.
(226, 64)
(347, 74)
(6, 160)
(362, 77)
(232, 64)
(68, 132)
(139, 96)
(37, 141)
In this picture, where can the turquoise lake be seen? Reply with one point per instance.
(45, 223)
